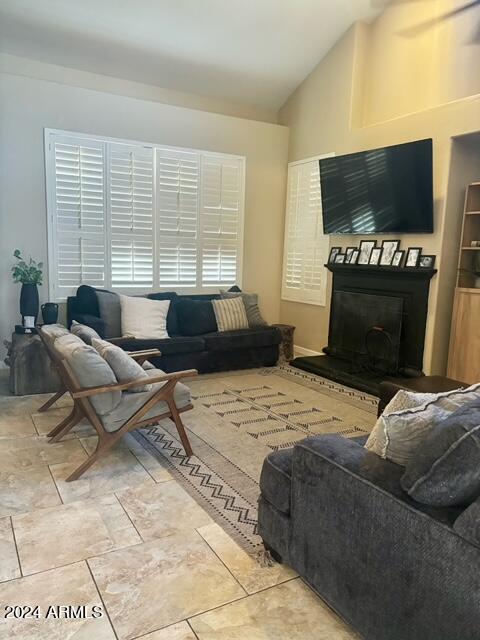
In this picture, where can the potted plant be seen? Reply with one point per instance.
(30, 275)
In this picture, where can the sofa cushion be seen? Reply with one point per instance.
(445, 470)
(144, 318)
(195, 317)
(467, 524)
(276, 478)
(90, 369)
(230, 314)
(97, 324)
(87, 301)
(123, 366)
(396, 436)
(85, 333)
(173, 328)
(131, 402)
(243, 339)
(110, 312)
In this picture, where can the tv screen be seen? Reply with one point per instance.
(387, 190)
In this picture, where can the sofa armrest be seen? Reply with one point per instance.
(352, 457)
(467, 524)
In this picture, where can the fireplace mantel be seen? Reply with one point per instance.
(390, 272)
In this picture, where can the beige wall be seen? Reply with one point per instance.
(360, 97)
(27, 105)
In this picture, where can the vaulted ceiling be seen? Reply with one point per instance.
(252, 52)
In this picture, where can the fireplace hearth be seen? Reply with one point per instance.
(377, 326)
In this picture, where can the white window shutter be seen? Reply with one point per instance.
(306, 246)
(177, 215)
(221, 219)
(76, 192)
(131, 215)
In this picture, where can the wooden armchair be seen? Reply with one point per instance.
(133, 411)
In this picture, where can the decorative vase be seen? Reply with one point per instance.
(29, 303)
(50, 312)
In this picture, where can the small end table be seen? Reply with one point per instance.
(31, 370)
(286, 352)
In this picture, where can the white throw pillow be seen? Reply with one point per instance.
(144, 318)
(397, 434)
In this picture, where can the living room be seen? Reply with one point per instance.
(240, 247)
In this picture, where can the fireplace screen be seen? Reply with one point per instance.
(365, 329)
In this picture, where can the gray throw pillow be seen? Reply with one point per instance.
(123, 366)
(110, 312)
(250, 300)
(445, 470)
(87, 334)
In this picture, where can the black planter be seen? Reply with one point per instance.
(29, 301)
(50, 312)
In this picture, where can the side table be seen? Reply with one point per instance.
(286, 352)
(31, 370)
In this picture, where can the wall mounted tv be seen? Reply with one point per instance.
(388, 190)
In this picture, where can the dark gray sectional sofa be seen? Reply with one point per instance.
(392, 568)
(188, 347)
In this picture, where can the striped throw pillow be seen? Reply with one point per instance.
(230, 314)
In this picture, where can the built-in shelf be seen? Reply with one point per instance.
(470, 248)
(472, 213)
(469, 289)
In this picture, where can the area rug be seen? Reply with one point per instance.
(238, 419)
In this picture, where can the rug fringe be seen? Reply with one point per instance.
(264, 558)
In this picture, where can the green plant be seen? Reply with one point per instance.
(26, 272)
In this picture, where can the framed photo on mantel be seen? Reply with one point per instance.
(366, 248)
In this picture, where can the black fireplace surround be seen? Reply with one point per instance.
(378, 317)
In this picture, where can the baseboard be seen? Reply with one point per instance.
(301, 351)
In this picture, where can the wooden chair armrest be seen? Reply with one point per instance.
(146, 353)
(123, 386)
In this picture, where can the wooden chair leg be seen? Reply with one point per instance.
(180, 428)
(100, 450)
(74, 417)
(52, 400)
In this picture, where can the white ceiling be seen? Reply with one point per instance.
(253, 52)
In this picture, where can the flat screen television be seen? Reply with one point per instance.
(388, 190)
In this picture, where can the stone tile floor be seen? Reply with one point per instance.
(127, 539)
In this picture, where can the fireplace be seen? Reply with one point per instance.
(377, 327)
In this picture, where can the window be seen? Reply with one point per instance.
(306, 247)
(141, 217)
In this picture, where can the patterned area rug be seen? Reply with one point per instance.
(238, 419)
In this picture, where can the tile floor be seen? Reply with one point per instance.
(128, 541)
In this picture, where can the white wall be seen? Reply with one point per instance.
(28, 105)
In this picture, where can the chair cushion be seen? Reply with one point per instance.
(110, 312)
(243, 339)
(230, 314)
(195, 317)
(123, 366)
(87, 334)
(54, 331)
(250, 300)
(396, 436)
(90, 370)
(144, 318)
(445, 470)
(131, 402)
(173, 328)
(276, 479)
(168, 347)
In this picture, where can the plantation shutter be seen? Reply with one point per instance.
(131, 215)
(221, 224)
(177, 216)
(76, 193)
(306, 247)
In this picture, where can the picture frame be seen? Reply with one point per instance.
(348, 253)
(365, 249)
(398, 258)
(413, 257)
(340, 258)
(354, 256)
(375, 256)
(426, 262)
(389, 247)
(334, 251)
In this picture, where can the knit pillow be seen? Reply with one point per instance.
(123, 366)
(230, 314)
(250, 300)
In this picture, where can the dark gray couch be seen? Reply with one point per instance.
(392, 568)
